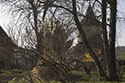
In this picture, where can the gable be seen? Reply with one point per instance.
(5, 40)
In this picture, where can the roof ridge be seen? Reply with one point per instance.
(5, 38)
(3, 33)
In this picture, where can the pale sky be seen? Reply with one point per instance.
(5, 20)
(121, 25)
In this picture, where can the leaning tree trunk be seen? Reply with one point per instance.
(92, 53)
(112, 37)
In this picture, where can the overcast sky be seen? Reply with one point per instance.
(5, 19)
(121, 25)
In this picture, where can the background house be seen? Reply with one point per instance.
(12, 56)
(120, 50)
(92, 29)
(6, 50)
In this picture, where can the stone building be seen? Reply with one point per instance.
(6, 49)
(12, 56)
(120, 50)
(92, 29)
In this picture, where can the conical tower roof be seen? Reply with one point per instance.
(90, 18)
(91, 26)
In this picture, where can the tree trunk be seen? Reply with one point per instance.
(104, 32)
(112, 37)
(38, 34)
(93, 55)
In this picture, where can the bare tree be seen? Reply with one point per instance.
(109, 43)
(30, 13)
(56, 41)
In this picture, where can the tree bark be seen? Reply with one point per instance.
(104, 32)
(112, 36)
(93, 55)
(38, 34)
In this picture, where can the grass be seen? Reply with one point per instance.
(78, 77)
(8, 75)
